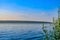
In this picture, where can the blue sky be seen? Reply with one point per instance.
(39, 10)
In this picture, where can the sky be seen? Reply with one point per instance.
(29, 10)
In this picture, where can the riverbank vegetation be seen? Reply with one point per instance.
(55, 34)
(57, 29)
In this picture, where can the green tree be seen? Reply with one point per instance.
(57, 29)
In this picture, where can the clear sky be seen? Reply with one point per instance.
(39, 10)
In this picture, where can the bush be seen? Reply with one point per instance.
(57, 29)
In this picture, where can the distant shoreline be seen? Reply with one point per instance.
(12, 21)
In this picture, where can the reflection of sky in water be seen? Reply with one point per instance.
(21, 31)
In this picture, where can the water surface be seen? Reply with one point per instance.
(22, 31)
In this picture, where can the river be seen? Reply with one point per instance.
(23, 31)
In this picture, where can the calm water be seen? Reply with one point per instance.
(22, 31)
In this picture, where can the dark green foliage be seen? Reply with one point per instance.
(57, 30)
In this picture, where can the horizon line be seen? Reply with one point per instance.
(16, 21)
